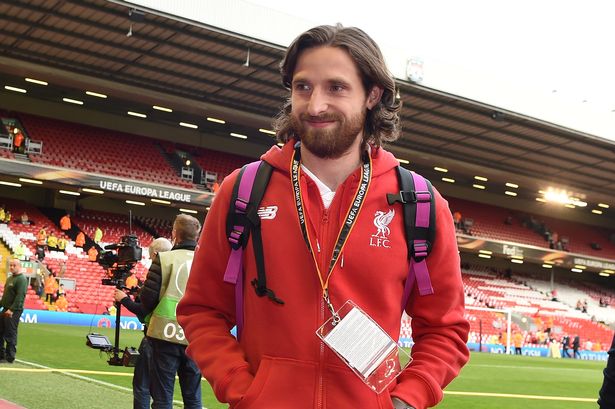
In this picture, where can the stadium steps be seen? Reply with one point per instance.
(172, 158)
(22, 157)
(55, 215)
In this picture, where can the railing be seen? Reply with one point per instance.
(34, 146)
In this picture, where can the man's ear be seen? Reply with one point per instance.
(374, 96)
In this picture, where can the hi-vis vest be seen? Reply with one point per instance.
(175, 268)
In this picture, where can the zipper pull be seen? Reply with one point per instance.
(342, 261)
(318, 245)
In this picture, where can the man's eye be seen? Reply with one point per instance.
(301, 87)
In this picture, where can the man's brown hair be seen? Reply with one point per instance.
(186, 228)
(382, 122)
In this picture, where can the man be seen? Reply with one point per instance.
(576, 344)
(11, 307)
(61, 303)
(565, 346)
(607, 392)
(41, 243)
(162, 290)
(140, 379)
(342, 107)
(80, 239)
(65, 223)
(20, 251)
(52, 242)
(98, 235)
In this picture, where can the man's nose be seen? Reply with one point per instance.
(318, 103)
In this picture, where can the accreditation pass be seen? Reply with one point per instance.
(360, 342)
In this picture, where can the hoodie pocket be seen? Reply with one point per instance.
(344, 390)
(281, 383)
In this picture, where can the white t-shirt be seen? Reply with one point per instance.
(326, 194)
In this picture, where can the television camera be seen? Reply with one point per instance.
(119, 263)
(118, 260)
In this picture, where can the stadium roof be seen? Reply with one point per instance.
(144, 58)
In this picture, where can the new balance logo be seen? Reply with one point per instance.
(267, 212)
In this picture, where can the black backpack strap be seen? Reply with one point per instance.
(419, 209)
(243, 220)
(258, 191)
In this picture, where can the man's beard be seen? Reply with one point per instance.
(332, 142)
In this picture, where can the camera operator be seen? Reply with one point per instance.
(140, 379)
(162, 290)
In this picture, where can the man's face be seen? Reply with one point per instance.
(15, 267)
(328, 100)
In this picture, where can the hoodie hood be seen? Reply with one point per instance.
(280, 158)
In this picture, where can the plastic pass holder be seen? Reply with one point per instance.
(366, 348)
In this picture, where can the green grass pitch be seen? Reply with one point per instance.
(488, 381)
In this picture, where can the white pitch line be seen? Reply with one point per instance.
(534, 367)
(510, 395)
(72, 373)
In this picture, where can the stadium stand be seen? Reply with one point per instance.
(89, 296)
(114, 226)
(531, 299)
(68, 145)
(158, 227)
(489, 222)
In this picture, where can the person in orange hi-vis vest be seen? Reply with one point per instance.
(62, 303)
(80, 240)
(51, 287)
(132, 281)
(41, 237)
(65, 223)
(92, 253)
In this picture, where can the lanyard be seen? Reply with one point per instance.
(344, 233)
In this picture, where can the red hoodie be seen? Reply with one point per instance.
(280, 363)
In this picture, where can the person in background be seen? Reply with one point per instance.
(132, 282)
(25, 220)
(518, 342)
(457, 219)
(18, 141)
(65, 223)
(80, 239)
(159, 299)
(141, 378)
(98, 235)
(331, 172)
(92, 253)
(11, 308)
(20, 251)
(51, 287)
(62, 242)
(62, 303)
(607, 392)
(41, 243)
(52, 242)
(60, 291)
(565, 346)
(576, 344)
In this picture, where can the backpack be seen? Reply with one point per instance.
(419, 212)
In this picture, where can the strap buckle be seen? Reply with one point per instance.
(237, 238)
(420, 250)
(241, 205)
(405, 197)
